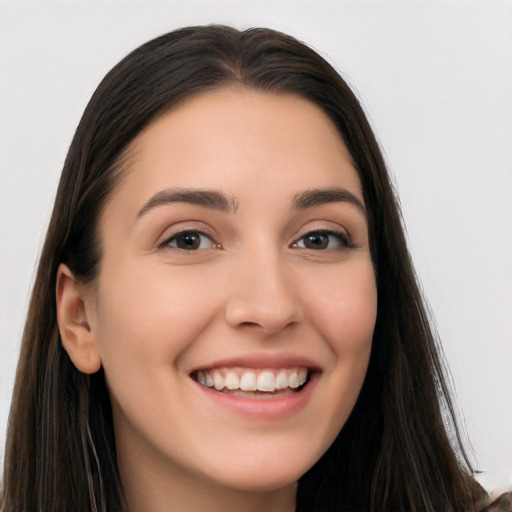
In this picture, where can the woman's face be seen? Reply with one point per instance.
(235, 256)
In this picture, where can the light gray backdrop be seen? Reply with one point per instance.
(435, 79)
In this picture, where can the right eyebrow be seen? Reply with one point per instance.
(211, 199)
(317, 197)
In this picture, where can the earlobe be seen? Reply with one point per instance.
(73, 320)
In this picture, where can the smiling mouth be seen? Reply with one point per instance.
(252, 383)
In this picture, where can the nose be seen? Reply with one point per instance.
(263, 296)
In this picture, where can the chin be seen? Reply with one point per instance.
(276, 472)
(268, 480)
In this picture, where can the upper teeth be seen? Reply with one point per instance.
(251, 380)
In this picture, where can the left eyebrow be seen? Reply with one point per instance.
(319, 197)
(210, 199)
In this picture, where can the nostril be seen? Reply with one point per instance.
(258, 310)
(250, 325)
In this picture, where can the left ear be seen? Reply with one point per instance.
(73, 321)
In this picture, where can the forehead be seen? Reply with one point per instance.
(234, 137)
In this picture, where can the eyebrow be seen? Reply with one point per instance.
(216, 200)
(211, 199)
(318, 197)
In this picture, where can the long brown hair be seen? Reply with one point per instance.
(392, 454)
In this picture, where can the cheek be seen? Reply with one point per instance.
(345, 316)
(147, 320)
(345, 310)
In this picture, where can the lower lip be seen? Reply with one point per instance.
(264, 408)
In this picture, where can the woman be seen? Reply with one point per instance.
(225, 305)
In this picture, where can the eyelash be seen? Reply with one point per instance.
(343, 241)
(183, 234)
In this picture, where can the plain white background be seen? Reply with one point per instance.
(435, 79)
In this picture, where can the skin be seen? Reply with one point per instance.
(252, 288)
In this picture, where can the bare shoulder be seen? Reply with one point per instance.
(501, 504)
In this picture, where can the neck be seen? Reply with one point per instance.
(152, 494)
(157, 486)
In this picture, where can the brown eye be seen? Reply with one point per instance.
(320, 240)
(316, 241)
(189, 241)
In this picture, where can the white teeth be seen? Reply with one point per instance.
(232, 381)
(303, 376)
(282, 380)
(265, 381)
(248, 382)
(293, 380)
(218, 380)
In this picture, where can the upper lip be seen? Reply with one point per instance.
(262, 361)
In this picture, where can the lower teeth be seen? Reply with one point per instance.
(261, 395)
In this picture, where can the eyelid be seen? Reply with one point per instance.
(343, 236)
(165, 243)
